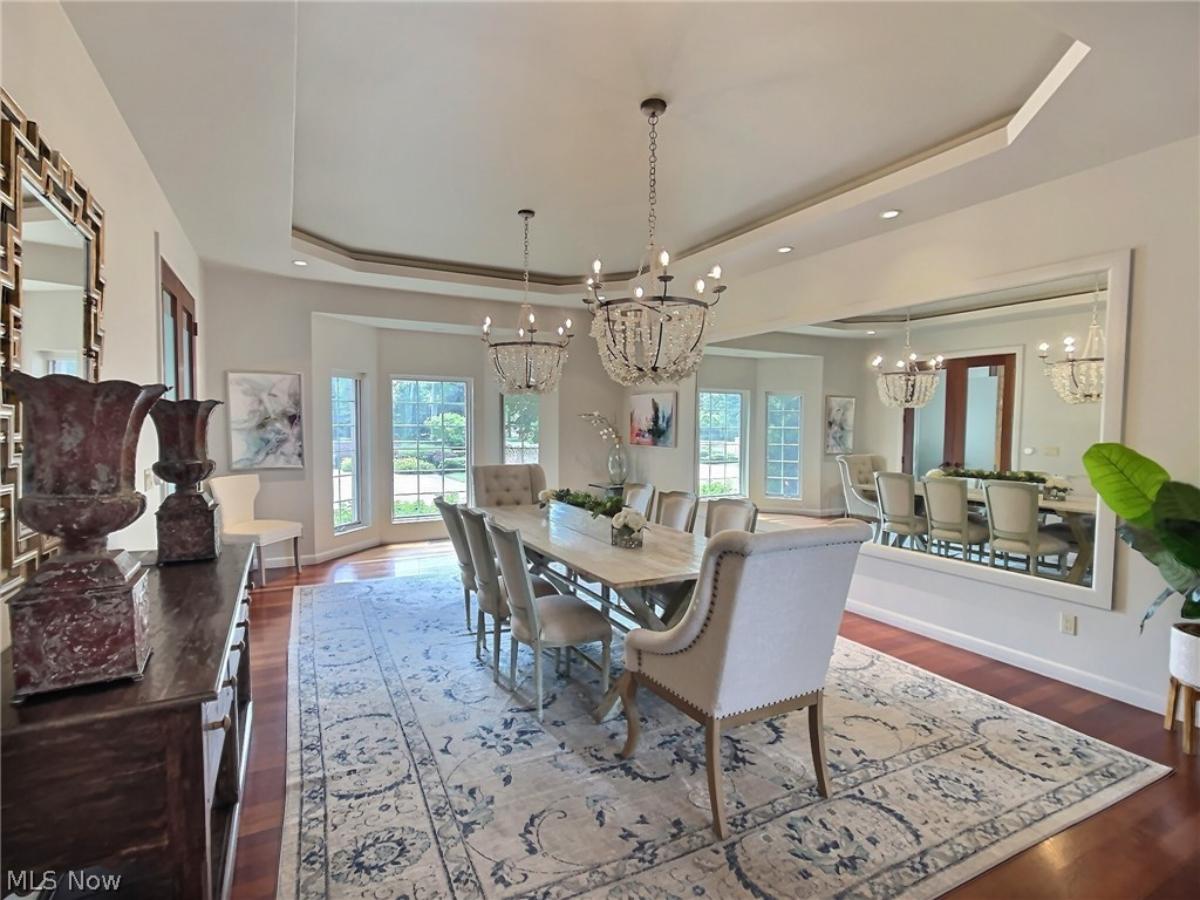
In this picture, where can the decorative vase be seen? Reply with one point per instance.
(1183, 660)
(618, 464)
(626, 538)
(189, 520)
(82, 618)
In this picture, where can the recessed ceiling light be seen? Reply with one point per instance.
(784, 250)
(870, 332)
(299, 262)
(889, 214)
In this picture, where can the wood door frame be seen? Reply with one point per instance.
(181, 299)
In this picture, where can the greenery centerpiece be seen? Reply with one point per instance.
(597, 506)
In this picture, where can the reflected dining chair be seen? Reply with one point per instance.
(729, 514)
(639, 497)
(547, 621)
(857, 471)
(452, 517)
(677, 509)
(490, 588)
(950, 521)
(507, 485)
(236, 495)
(1013, 525)
(895, 493)
(756, 641)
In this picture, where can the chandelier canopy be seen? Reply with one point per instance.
(908, 386)
(1079, 377)
(651, 336)
(528, 364)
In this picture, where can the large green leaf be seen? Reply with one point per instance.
(1177, 521)
(1180, 577)
(1127, 481)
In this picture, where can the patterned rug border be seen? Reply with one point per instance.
(935, 886)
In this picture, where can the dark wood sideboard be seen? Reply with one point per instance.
(140, 778)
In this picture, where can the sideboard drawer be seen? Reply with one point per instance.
(218, 723)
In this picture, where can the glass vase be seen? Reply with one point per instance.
(626, 538)
(618, 464)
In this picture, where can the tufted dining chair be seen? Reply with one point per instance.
(639, 497)
(950, 522)
(545, 621)
(677, 509)
(452, 517)
(896, 494)
(729, 514)
(756, 641)
(858, 483)
(1013, 522)
(508, 485)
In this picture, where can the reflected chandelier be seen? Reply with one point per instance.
(651, 336)
(908, 386)
(1079, 378)
(528, 364)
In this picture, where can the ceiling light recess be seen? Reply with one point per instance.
(299, 262)
(785, 249)
(889, 214)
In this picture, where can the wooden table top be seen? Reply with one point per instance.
(571, 536)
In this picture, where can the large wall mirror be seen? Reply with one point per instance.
(51, 279)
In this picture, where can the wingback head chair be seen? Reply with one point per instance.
(452, 516)
(896, 495)
(756, 640)
(730, 514)
(948, 516)
(1013, 523)
(639, 497)
(538, 621)
(236, 495)
(677, 509)
(508, 485)
(858, 471)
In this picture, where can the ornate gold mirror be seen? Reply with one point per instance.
(52, 284)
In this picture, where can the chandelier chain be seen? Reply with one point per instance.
(652, 218)
(526, 278)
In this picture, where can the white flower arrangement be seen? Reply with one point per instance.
(545, 496)
(935, 473)
(629, 520)
(1057, 483)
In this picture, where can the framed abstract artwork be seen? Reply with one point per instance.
(652, 419)
(266, 424)
(839, 424)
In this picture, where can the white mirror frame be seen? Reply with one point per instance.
(1117, 266)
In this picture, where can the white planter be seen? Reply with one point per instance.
(1184, 659)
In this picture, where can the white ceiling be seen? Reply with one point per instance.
(416, 130)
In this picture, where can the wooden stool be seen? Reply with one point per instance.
(1190, 696)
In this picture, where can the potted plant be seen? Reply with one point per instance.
(1162, 522)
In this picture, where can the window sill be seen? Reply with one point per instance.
(351, 529)
(416, 520)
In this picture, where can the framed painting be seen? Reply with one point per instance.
(839, 424)
(652, 419)
(266, 423)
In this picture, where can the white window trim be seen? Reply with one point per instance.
(766, 454)
(361, 473)
(743, 462)
(503, 433)
(469, 405)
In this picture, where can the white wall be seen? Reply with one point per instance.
(1146, 202)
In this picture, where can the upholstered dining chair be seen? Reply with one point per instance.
(508, 485)
(545, 622)
(452, 517)
(639, 497)
(950, 521)
(236, 495)
(491, 590)
(895, 493)
(858, 478)
(677, 509)
(1013, 524)
(729, 514)
(756, 641)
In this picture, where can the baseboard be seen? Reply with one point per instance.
(310, 559)
(1108, 687)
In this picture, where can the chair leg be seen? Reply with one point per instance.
(712, 759)
(496, 649)
(512, 663)
(296, 554)
(605, 663)
(537, 677)
(1172, 699)
(627, 689)
(467, 605)
(816, 737)
(480, 631)
(1190, 696)
(567, 661)
(262, 567)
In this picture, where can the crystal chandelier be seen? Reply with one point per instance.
(651, 336)
(1079, 377)
(527, 365)
(908, 386)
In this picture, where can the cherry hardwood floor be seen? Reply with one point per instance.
(1147, 846)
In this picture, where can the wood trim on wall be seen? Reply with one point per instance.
(181, 301)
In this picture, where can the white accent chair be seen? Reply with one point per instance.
(452, 517)
(896, 496)
(729, 514)
(508, 485)
(639, 497)
(1014, 527)
(236, 495)
(677, 509)
(858, 478)
(756, 641)
(545, 621)
(950, 521)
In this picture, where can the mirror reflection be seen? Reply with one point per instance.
(53, 275)
(968, 423)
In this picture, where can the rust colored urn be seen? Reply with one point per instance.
(83, 617)
(189, 520)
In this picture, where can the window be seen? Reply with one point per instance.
(785, 417)
(178, 337)
(721, 425)
(521, 428)
(431, 427)
(345, 402)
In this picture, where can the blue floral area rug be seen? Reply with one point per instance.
(412, 774)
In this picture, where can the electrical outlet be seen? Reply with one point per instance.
(1050, 451)
(1068, 624)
